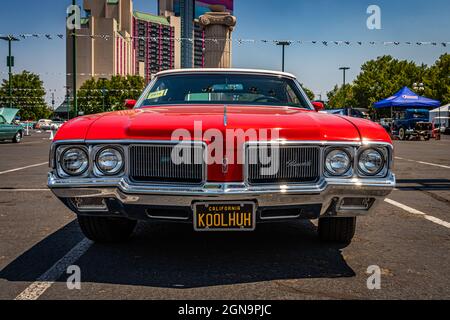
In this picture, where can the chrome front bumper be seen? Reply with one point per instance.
(330, 193)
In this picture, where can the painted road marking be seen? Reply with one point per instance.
(21, 144)
(419, 213)
(425, 163)
(23, 190)
(45, 281)
(23, 168)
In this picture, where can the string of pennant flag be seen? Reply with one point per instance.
(239, 41)
(90, 90)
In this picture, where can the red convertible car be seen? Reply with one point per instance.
(222, 150)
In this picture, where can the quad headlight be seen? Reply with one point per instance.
(74, 161)
(338, 162)
(109, 161)
(371, 162)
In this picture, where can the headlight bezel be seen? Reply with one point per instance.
(97, 151)
(62, 170)
(91, 150)
(349, 151)
(385, 154)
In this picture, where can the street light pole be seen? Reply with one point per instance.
(421, 88)
(283, 44)
(344, 69)
(10, 72)
(10, 64)
(74, 62)
(103, 92)
(68, 101)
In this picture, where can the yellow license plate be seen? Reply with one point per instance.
(225, 216)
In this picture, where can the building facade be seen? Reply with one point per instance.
(154, 43)
(115, 40)
(192, 42)
(104, 43)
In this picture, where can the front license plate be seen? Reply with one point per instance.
(239, 216)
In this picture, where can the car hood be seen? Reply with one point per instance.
(9, 114)
(159, 123)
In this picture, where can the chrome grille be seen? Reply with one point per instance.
(297, 164)
(153, 163)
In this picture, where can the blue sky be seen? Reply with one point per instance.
(316, 66)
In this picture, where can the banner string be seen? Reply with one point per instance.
(239, 41)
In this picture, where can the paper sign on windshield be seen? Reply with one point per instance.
(157, 94)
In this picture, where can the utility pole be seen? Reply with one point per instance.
(53, 101)
(344, 69)
(68, 101)
(74, 62)
(104, 92)
(10, 64)
(283, 44)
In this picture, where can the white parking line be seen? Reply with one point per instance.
(425, 163)
(25, 190)
(420, 213)
(45, 281)
(23, 168)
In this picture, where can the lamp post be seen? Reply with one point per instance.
(103, 92)
(10, 64)
(344, 70)
(419, 87)
(68, 101)
(283, 44)
(74, 71)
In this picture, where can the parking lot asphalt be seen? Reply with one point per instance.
(408, 237)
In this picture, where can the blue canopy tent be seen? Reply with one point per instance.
(406, 98)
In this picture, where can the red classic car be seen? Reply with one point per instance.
(223, 150)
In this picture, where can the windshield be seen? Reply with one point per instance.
(417, 115)
(227, 88)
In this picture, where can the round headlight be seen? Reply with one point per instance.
(371, 162)
(109, 161)
(74, 161)
(337, 162)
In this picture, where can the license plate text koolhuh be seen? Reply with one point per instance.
(225, 217)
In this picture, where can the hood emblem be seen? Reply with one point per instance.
(225, 166)
(225, 115)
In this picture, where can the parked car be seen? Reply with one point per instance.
(164, 160)
(9, 130)
(349, 112)
(42, 124)
(52, 125)
(56, 125)
(29, 124)
(442, 124)
(413, 123)
(386, 123)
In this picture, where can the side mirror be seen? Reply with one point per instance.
(130, 104)
(319, 106)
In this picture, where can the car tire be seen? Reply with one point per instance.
(402, 134)
(18, 137)
(106, 230)
(340, 230)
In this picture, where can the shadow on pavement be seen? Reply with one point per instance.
(173, 256)
(423, 184)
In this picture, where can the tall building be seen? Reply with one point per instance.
(115, 40)
(192, 45)
(185, 10)
(199, 46)
(156, 49)
(104, 43)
